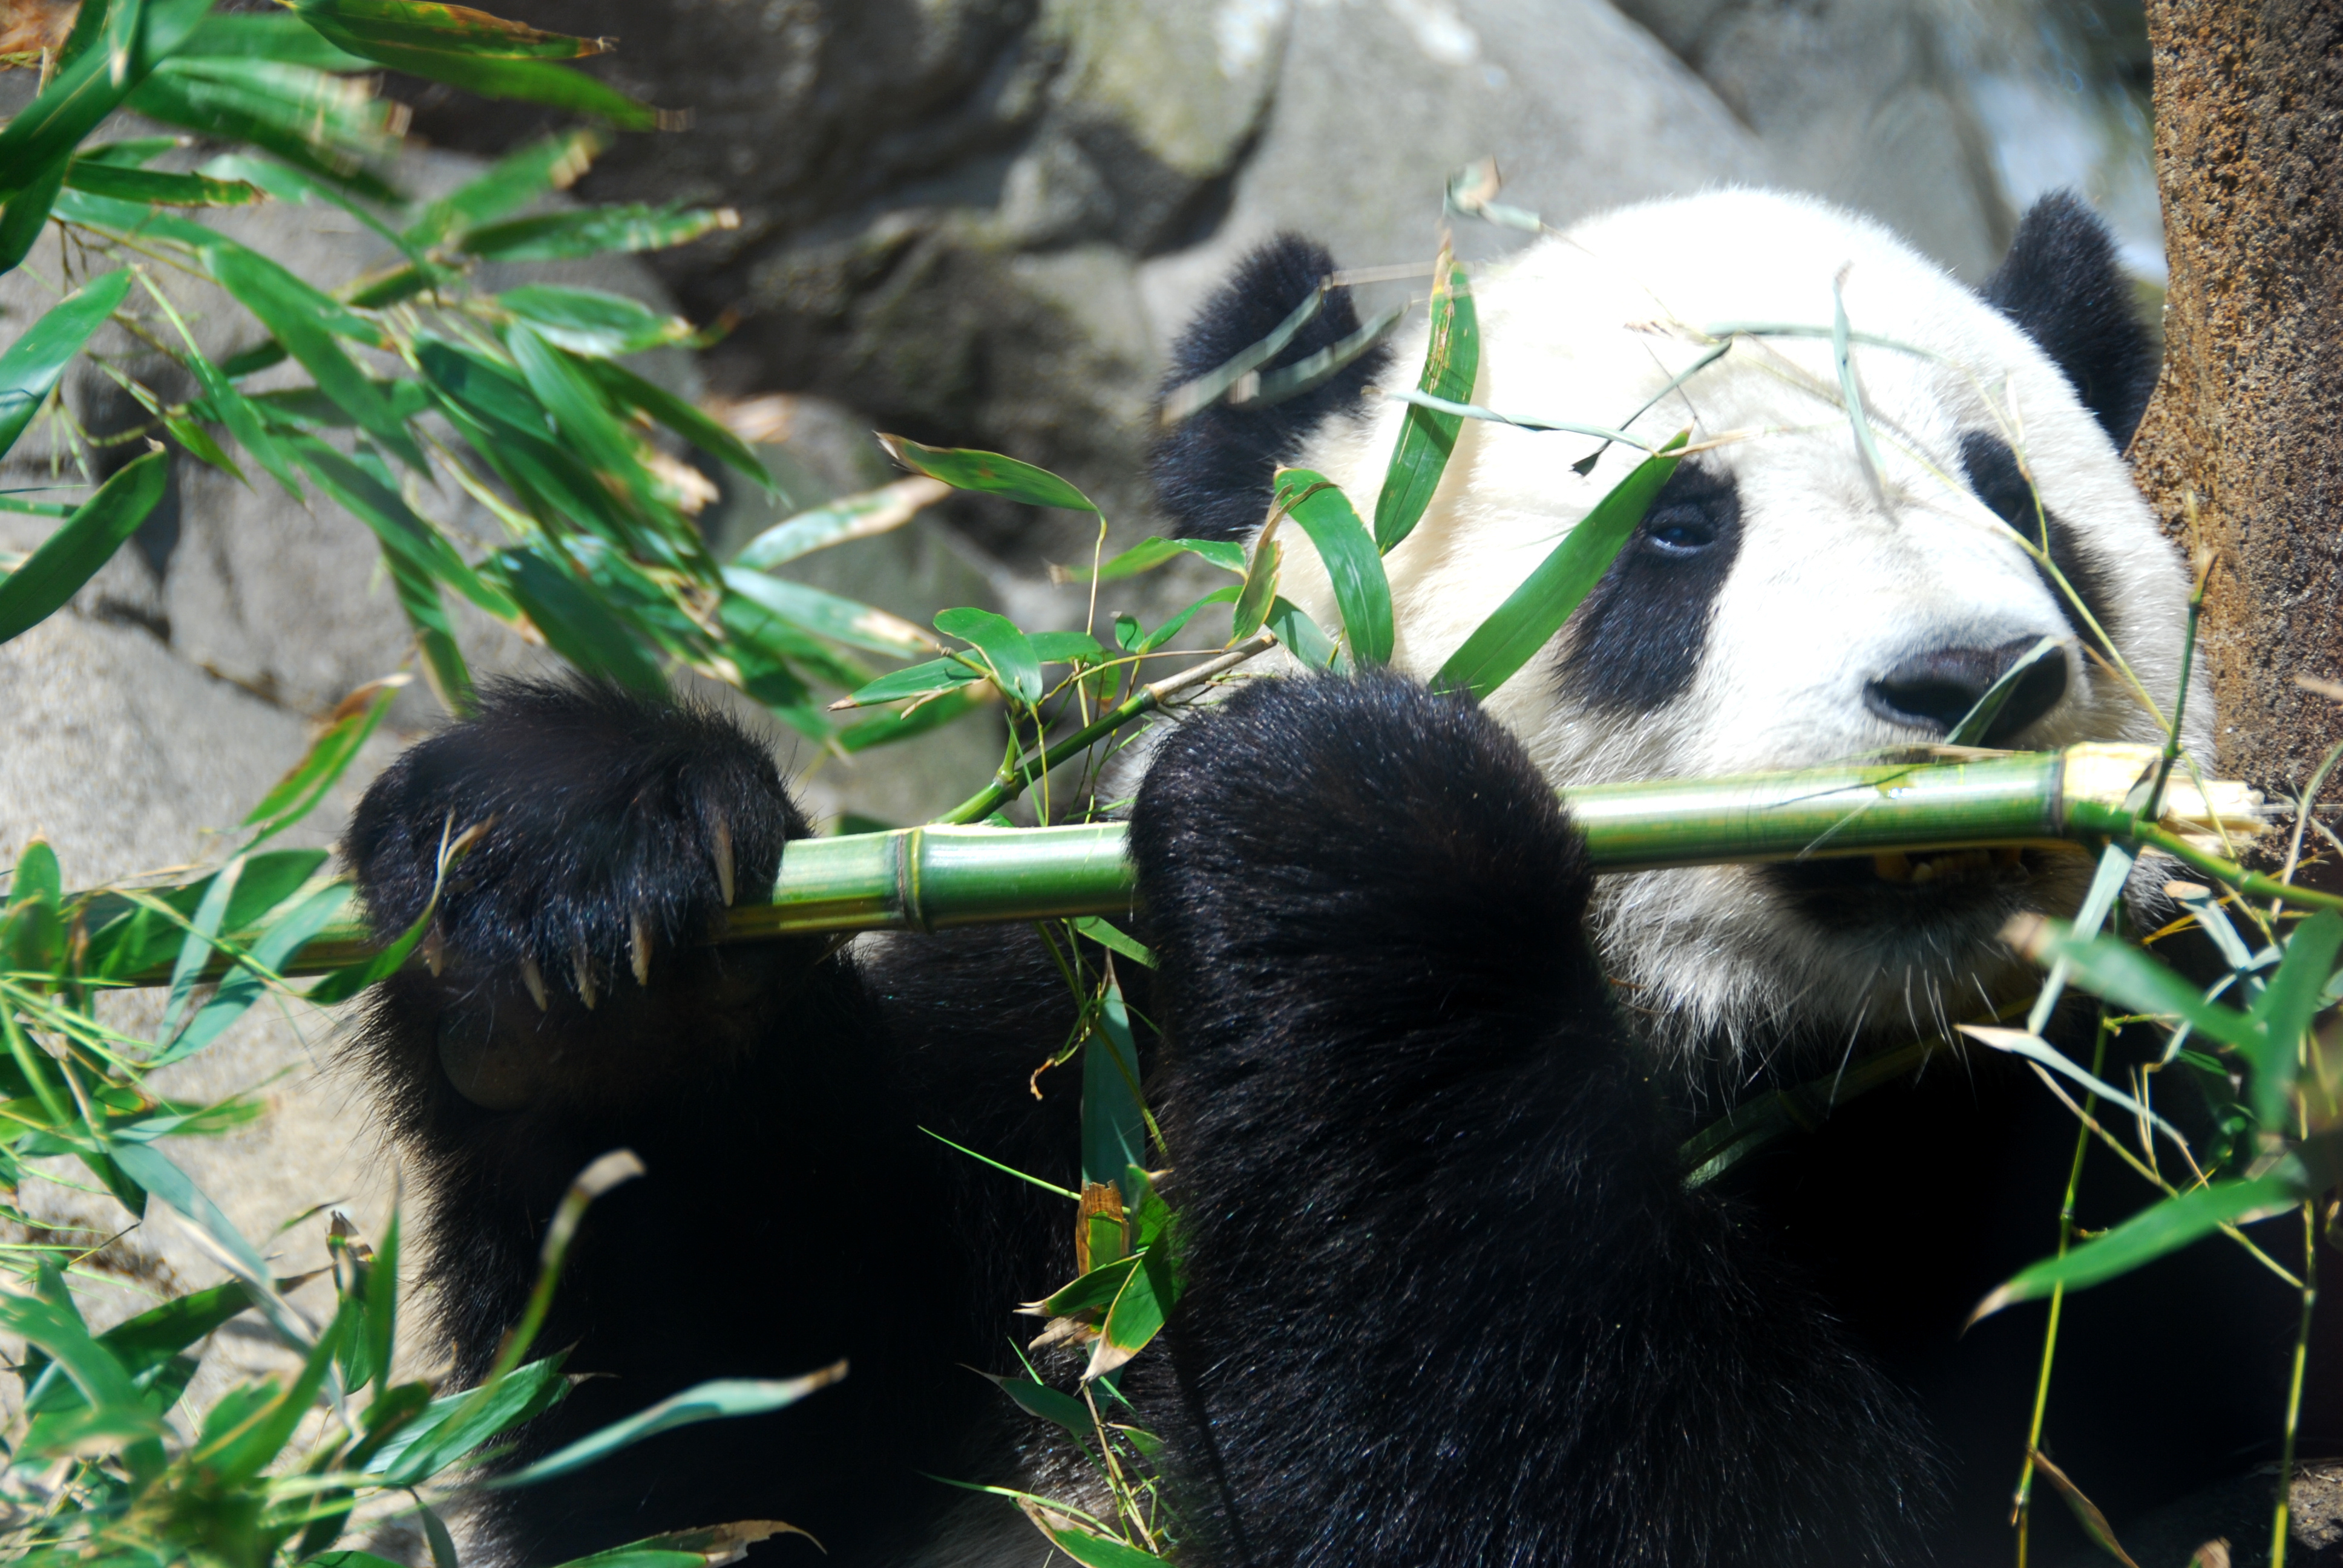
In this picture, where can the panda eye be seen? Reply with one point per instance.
(1678, 536)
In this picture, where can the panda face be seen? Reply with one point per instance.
(1780, 607)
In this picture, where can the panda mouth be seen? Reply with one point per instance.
(1875, 895)
(1945, 865)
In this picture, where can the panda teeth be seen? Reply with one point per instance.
(1897, 866)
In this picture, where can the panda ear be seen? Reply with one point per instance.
(1212, 470)
(2061, 284)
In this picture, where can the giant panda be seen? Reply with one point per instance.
(1421, 1078)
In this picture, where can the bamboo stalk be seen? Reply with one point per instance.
(939, 877)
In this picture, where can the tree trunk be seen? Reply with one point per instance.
(2249, 413)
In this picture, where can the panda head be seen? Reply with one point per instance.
(1780, 605)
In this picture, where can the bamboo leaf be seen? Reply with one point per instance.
(1348, 552)
(576, 624)
(592, 321)
(1088, 1547)
(1452, 360)
(381, 509)
(456, 29)
(1535, 611)
(856, 517)
(1209, 387)
(553, 163)
(2289, 1000)
(85, 541)
(348, 729)
(964, 468)
(27, 214)
(2163, 1228)
(596, 231)
(1136, 1317)
(1004, 649)
(2127, 975)
(933, 714)
(1256, 598)
(709, 435)
(1302, 636)
(914, 681)
(147, 1167)
(1153, 552)
(1973, 724)
(30, 366)
(280, 36)
(840, 619)
(1051, 1404)
(454, 1424)
(133, 36)
(715, 1400)
(304, 321)
(107, 179)
(327, 125)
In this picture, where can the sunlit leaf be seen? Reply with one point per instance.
(348, 729)
(592, 320)
(856, 625)
(26, 215)
(1452, 359)
(1348, 552)
(1001, 645)
(85, 541)
(1533, 612)
(425, 24)
(595, 231)
(551, 164)
(107, 179)
(330, 126)
(966, 469)
(1151, 553)
(856, 517)
(454, 1424)
(714, 1401)
(576, 624)
(91, 84)
(30, 366)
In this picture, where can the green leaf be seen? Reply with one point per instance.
(283, 937)
(576, 624)
(1153, 552)
(107, 179)
(1137, 1315)
(1189, 396)
(1179, 623)
(30, 366)
(841, 620)
(1255, 599)
(327, 126)
(133, 38)
(856, 517)
(1095, 1551)
(1004, 649)
(591, 321)
(1973, 725)
(576, 402)
(50, 1321)
(83, 543)
(1114, 1121)
(888, 728)
(280, 36)
(966, 469)
(454, 1424)
(1535, 611)
(148, 1166)
(349, 726)
(27, 214)
(402, 533)
(1051, 1404)
(490, 72)
(914, 680)
(2289, 1000)
(2163, 1228)
(37, 875)
(552, 164)
(2129, 976)
(1115, 940)
(1452, 360)
(1353, 565)
(595, 231)
(1098, 1288)
(709, 435)
(304, 320)
(718, 1400)
(1064, 646)
(455, 29)
(751, 625)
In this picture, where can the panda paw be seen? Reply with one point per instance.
(607, 830)
(1355, 823)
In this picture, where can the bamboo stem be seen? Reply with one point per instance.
(937, 877)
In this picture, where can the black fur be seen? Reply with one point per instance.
(1450, 1303)
(2060, 283)
(1992, 470)
(1640, 636)
(1212, 471)
(1423, 1171)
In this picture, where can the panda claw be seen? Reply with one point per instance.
(581, 972)
(638, 946)
(434, 952)
(534, 978)
(720, 846)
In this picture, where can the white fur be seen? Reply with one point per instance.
(1832, 586)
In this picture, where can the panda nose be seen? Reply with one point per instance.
(1934, 690)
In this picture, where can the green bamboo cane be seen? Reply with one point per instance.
(940, 877)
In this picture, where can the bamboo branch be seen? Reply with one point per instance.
(946, 875)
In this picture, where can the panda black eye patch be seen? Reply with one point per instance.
(1639, 637)
(1992, 470)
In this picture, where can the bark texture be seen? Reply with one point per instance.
(2249, 413)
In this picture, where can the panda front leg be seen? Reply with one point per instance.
(786, 1220)
(1449, 1302)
